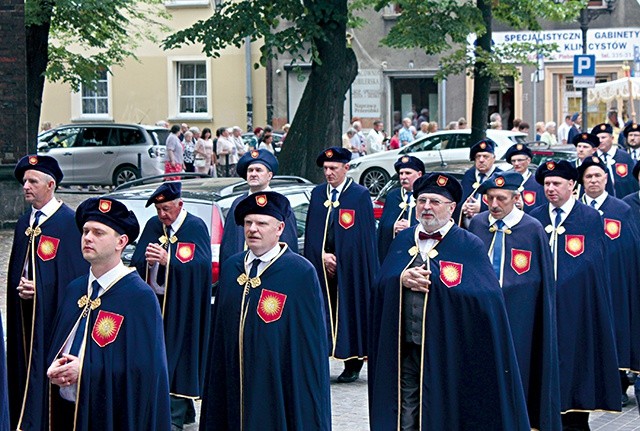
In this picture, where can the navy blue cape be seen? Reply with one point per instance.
(633, 200)
(123, 385)
(394, 209)
(30, 322)
(622, 170)
(278, 377)
(233, 236)
(357, 258)
(186, 304)
(532, 194)
(586, 347)
(471, 379)
(529, 294)
(623, 248)
(469, 187)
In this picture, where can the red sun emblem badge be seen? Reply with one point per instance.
(442, 181)
(185, 251)
(104, 206)
(105, 330)
(33, 160)
(450, 273)
(271, 305)
(261, 200)
(500, 181)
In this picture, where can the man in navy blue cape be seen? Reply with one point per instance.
(257, 167)
(108, 362)
(520, 155)
(268, 370)
(45, 257)
(399, 207)
(586, 145)
(173, 256)
(623, 248)
(483, 155)
(519, 251)
(586, 346)
(340, 243)
(441, 354)
(619, 162)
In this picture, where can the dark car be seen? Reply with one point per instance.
(210, 199)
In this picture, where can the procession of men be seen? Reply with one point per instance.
(509, 300)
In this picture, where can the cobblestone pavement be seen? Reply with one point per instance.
(349, 401)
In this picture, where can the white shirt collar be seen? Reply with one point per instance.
(47, 210)
(266, 189)
(566, 209)
(599, 200)
(611, 153)
(178, 221)
(109, 277)
(340, 186)
(511, 219)
(267, 257)
(486, 175)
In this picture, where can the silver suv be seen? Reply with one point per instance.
(105, 154)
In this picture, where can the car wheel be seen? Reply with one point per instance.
(124, 174)
(374, 180)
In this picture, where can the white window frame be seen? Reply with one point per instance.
(76, 105)
(173, 64)
(173, 4)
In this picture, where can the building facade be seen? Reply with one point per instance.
(394, 82)
(179, 86)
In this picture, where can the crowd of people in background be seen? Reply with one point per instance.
(190, 150)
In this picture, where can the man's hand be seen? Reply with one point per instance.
(330, 263)
(400, 225)
(64, 371)
(26, 288)
(417, 279)
(155, 253)
(471, 207)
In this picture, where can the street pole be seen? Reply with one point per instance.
(584, 25)
(248, 82)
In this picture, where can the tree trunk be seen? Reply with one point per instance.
(37, 59)
(318, 121)
(481, 81)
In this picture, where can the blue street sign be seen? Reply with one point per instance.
(584, 65)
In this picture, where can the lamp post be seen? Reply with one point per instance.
(586, 16)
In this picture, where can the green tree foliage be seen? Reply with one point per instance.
(309, 31)
(75, 41)
(443, 27)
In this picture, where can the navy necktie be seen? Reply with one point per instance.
(604, 156)
(593, 203)
(482, 177)
(407, 213)
(254, 268)
(36, 218)
(497, 248)
(558, 212)
(633, 155)
(77, 340)
(162, 269)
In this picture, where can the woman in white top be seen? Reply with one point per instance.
(549, 135)
(205, 160)
(227, 154)
(266, 143)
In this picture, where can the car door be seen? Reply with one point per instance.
(95, 155)
(60, 144)
(432, 148)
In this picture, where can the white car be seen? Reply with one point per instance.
(373, 171)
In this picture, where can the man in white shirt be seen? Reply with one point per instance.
(563, 130)
(375, 138)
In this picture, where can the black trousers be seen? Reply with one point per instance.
(410, 387)
(575, 421)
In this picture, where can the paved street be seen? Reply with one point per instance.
(349, 402)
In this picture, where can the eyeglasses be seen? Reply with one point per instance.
(433, 202)
(518, 160)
